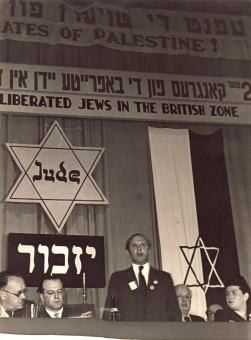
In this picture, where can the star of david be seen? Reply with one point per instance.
(199, 244)
(56, 175)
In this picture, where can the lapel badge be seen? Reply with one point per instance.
(133, 285)
(155, 282)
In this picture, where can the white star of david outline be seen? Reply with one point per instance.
(24, 174)
(199, 244)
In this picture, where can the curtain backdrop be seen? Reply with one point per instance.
(190, 182)
(176, 209)
(214, 213)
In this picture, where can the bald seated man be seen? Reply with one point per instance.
(212, 309)
(184, 295)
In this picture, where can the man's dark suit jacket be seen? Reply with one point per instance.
(71, 311)
(196, 318)
(228, 315)
(161, 303)
(44, 314)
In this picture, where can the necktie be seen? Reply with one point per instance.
(142, 282)
(56, 315)
(187, 319)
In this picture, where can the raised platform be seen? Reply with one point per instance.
(127, 330)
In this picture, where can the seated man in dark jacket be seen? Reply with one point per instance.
(184, 295)
(52, 294)
(12, 294)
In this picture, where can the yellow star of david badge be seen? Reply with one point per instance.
(56, 175)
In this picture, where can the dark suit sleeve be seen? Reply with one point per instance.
(112, 290)
(197, 318)
(220, 315)
(172, 306)
(43, 314)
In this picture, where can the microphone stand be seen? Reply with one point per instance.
(84, 290)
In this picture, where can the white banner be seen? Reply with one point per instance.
(127, 29)
(176, 208)
(61, 91)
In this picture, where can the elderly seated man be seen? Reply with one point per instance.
(184, 296)
(12, 294)
(52, 295)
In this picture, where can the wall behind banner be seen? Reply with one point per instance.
(124, 173)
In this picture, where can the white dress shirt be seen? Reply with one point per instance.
(145, 271)
(3, 313)
(52, 314)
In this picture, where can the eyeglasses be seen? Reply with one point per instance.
(53, 292)
(210, 313)
(18, 294)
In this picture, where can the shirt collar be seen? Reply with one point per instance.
(187, 316)
(3, 312)
(52, 313)
(145, 270)
(136, 266)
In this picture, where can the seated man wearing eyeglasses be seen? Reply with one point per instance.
(12, 294)
(52, 294)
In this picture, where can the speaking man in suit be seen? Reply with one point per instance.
(12, 294)
(141, 292)
(52, 294)
(184, 295)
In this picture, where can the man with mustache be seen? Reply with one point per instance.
(184, 295)
(141, 292)
(52, 294)
(12, 294)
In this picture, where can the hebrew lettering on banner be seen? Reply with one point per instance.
(109, 94)
(64, 256)
(77, 251)
(28, 249)
(173, 32)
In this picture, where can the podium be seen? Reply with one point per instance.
(125, 329)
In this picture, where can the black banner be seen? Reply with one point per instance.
(67, 257)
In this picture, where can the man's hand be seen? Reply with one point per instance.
(86, 315)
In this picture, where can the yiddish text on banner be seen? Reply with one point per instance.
(89, 93)
(127, 29)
